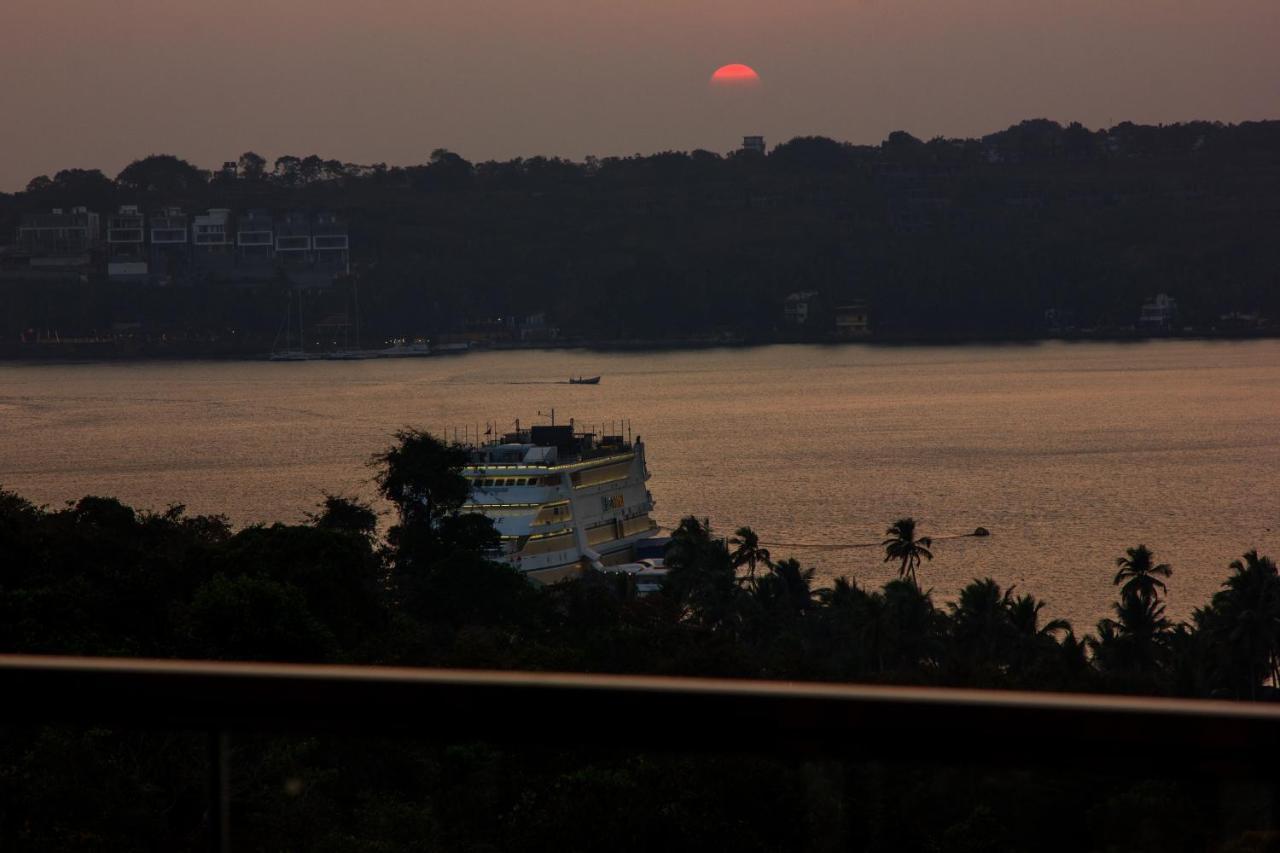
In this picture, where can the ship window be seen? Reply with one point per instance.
(521, 481)
(486, 483)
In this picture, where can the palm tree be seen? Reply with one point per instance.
(856, 620)
(1024, 614)
(992, 630)
(1245, 622)
(871, 630)
(1135, 641)
(840, 594)
(914, 628)
(747, 552)
(689, 539)
(700, 573)
(1140, 574)
(788, 581)
(903, 545)
(980, 619)
(1036, 646)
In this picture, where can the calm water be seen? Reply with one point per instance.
(1067, 452)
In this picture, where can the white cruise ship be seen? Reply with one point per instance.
(562, 500)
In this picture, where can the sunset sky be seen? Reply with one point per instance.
(94, 84)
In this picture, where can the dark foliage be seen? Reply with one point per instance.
(944, 239)
(98, 577)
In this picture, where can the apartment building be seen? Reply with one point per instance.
(59, 239)
(127, 258)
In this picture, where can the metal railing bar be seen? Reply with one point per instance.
(219, 798)
(647, 712)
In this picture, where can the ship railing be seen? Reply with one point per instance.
(602, 452)
(1225, 740)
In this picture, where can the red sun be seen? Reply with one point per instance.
(735, 75)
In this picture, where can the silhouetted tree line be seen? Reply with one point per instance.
(98, 577)
(944, 237)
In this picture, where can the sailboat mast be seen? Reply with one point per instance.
(355, 296)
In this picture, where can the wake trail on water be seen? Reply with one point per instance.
(841, 546)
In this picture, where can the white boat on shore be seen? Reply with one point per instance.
(405, 349)
(350, 355)
(399, 350)
(292, 355)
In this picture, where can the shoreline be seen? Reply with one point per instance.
(131, 351)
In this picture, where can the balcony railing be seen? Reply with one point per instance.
(254, 238)
(1220, 738)
(169, 235)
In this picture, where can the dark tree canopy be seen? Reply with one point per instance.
(419, 474)
(945, 239)
(163, 174)
(252, 166)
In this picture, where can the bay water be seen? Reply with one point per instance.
(1066, 453)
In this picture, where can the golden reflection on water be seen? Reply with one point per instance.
(1068, 453)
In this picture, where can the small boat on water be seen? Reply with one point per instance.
(585, 380)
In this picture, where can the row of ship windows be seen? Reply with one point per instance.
(502, 482)
(598, 535)
(581, 479)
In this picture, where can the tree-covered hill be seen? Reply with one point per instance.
(947, 237)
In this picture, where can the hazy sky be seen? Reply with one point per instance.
(97, 83)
